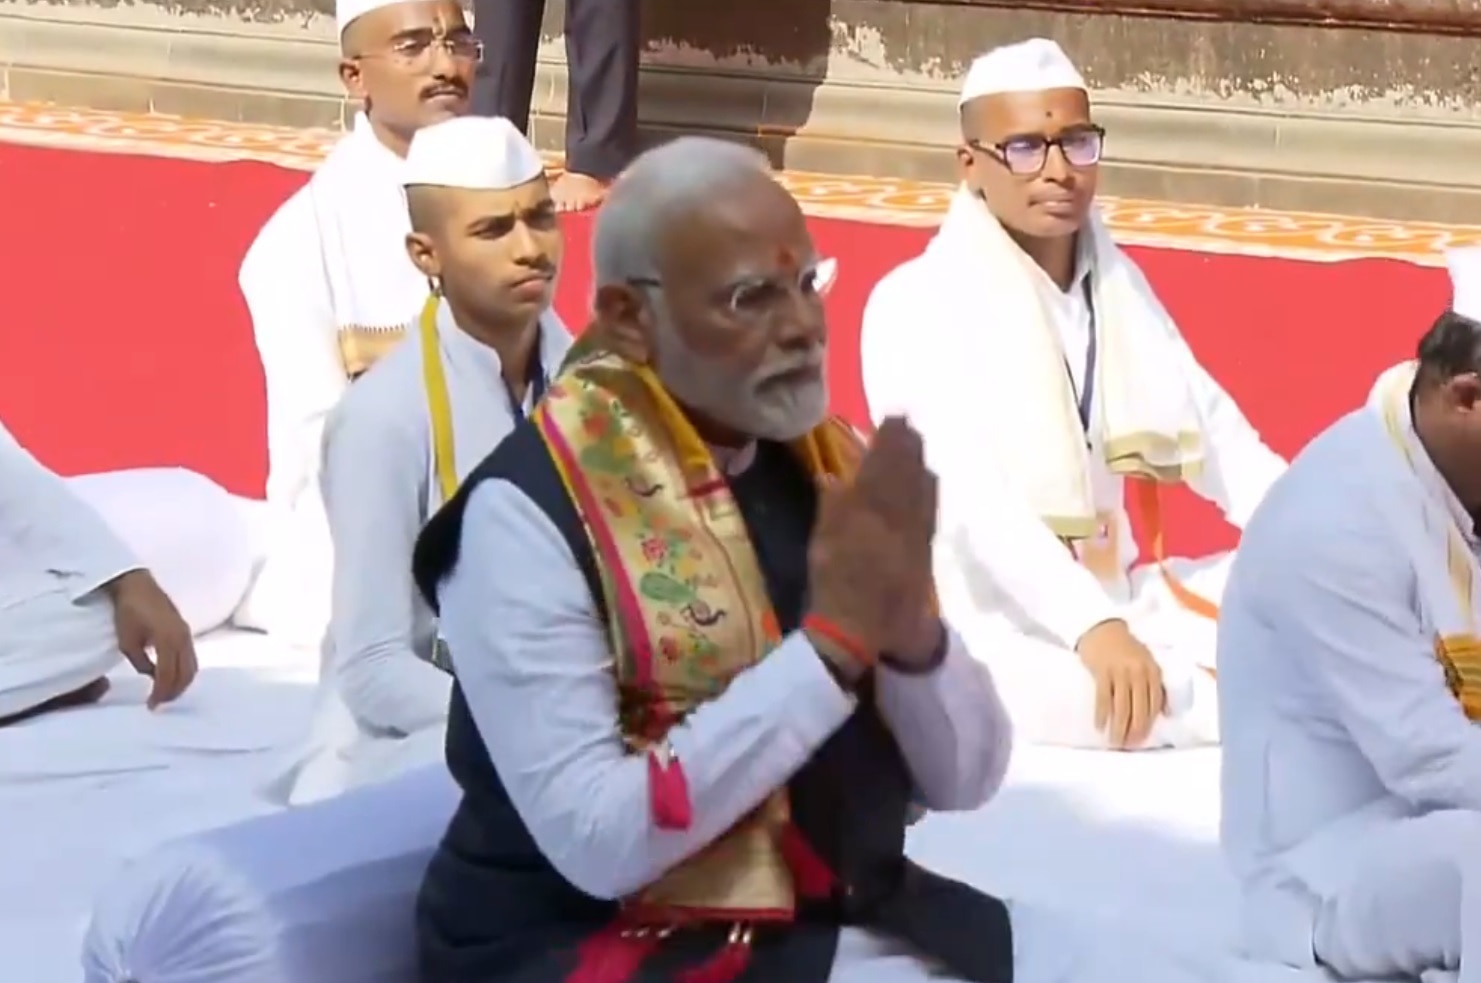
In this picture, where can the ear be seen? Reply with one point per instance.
(1464, 391)
(626, 319)
(353, 79)
(966, 164)
(423, 254)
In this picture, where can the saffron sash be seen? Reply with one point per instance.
(688, 611)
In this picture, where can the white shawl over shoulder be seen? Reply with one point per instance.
(360, 207)
(984, 286)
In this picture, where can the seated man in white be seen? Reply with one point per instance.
(328, 283)
(1350, 681)
(75, 599)
(1054, 390)
(402, 439)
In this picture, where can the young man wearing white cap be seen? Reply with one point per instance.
(484, 235)
(1052, 389)
(1350, 681)
(328, 283)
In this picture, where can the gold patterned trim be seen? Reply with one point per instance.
(882, 200)
(360, 347)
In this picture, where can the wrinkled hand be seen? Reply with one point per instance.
(145, 618)
(870, 554)
(1128, 683)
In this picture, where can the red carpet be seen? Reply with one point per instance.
(124, 341)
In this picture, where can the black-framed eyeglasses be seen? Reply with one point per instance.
(757, 298)
(415, 52)
(1027, 155)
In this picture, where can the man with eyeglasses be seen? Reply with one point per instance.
(1056, 395)
(329, 286)
(485, 235)
(690, 718)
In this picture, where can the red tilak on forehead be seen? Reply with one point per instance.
(788, 259)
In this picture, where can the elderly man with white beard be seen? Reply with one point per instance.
(690, 722)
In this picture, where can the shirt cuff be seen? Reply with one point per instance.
(82, 586)
(1073, 628)
(811, 704)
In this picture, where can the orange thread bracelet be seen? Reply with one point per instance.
(844, 640)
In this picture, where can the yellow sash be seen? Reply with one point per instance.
(1459, 655)
(688, 606)
(439, 405)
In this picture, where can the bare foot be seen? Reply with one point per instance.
(91, 693)
(577, 192)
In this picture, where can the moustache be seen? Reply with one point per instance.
(793, 370)
(444, 87)
(540, 271)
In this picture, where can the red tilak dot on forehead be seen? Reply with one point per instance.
(787, 259)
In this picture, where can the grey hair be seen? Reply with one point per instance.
(666, 181)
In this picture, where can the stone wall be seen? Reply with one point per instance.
(1357, 106)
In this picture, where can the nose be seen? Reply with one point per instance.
(1056, 164)
(441, 63)
(526, 247)
(803, 323)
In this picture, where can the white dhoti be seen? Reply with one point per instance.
(1050, 694)
(1393, 899)
(190, 533)
(184, 528)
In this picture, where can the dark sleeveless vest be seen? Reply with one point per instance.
(493, 910)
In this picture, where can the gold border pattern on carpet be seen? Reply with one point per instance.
(1322, 238)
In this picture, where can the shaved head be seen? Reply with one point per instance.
(495, 253)
(427, 206)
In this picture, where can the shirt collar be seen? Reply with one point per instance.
(1084, 261)
(1084, 265)
(455, 339)
(1434, 482)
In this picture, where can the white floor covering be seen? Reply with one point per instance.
(1123, 846)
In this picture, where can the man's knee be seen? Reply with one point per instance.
(1400, 909)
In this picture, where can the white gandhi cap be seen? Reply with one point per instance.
(1465, 280)
(483, 153)
(1035, 65)
(346, 11)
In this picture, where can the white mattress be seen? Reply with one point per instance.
(83, 790)
(1120, 850)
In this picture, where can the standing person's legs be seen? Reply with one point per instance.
(602, 42)
(505, 81)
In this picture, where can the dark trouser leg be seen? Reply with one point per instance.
(602, 39)
(91, 693)
(510, 31)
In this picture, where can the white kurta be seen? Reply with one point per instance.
(299, 279)
(1352, 778)
(61, 540)
(1006, 580)
(293, 324)
(383, 705)
(526, 637)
